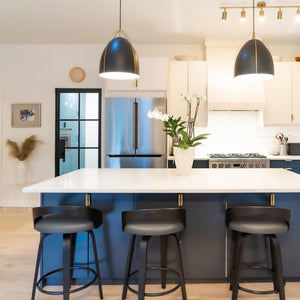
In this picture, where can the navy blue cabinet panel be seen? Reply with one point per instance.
(203, 241)
(292, 165)
(290, 241)
(196, 164)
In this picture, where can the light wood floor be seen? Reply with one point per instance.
(18, 245)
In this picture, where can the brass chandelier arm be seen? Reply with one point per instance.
(267, 6)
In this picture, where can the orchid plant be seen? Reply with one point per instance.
(182, 132)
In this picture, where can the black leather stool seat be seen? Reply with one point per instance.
(63, 224)
(154, 228)
(259, 227)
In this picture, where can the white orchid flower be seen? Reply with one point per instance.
(156, 114)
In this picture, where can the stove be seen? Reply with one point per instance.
(238, 160)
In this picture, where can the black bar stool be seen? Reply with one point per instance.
(68, 221)
(147, 223)
(266, 221)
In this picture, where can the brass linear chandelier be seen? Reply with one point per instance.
(261, 6)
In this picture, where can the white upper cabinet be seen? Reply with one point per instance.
(153, 77)
(283, 95)
(296, 92)
(279, 96)
(224, 91)
(187, 77)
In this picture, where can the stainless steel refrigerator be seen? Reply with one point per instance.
(132, 140)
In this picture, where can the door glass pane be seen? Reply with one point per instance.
(69, 105)
(71, 161)
(89, 158)
(69, 132)
(89, 106)
(89, 133)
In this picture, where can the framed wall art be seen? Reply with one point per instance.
(26, 115)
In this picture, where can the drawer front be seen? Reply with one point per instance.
(196, 164)
(291, 165)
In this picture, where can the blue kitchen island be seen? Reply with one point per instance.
(205, 194)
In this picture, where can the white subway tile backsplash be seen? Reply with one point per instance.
(242, 131)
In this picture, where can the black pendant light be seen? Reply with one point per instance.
(254, 61)
(119, 59)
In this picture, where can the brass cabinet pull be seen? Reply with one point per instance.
(272, 199)
(180, 200)
(288, 160)
(88, 200)
(288, 169)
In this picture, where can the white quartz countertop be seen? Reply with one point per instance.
(271, 157)
(167, 181)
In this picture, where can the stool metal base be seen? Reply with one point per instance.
(41, 289)
(159, 293)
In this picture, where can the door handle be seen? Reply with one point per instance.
(135, 126)
(62, 149)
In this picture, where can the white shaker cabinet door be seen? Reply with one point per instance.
(296, 92)
(153, 77)
(154, 72)
(178, 85)
(278, 92)
(187, 77)
(197, 84)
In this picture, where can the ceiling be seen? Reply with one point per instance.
(145, 21)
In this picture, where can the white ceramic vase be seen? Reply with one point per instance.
(21, 174)
(184, 160)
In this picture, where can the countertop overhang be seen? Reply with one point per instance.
(167, 181)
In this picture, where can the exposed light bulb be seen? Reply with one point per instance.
(298, 14)
(224, 15)
(261, 15)
(243, 15)
(279, 15)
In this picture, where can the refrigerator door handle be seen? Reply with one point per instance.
(135, 126)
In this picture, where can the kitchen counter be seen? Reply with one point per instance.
(271, 157)
(167, 181)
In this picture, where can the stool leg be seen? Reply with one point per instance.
(128, 266)
(72, 254)
(163, 259)
(276, 259)
(237, 264)
(96, 262)
(37, 265)
(142, 266)
(180, 268)
(66, 266)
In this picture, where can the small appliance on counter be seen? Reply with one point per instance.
(132, 140)
(293, 148)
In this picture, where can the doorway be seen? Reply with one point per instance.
(77, 129)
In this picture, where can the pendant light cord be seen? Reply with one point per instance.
(120, 15)
(253, 20)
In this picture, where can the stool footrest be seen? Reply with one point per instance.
(257, 292)
(41, 289)
(155, 268)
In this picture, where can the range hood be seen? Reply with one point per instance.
(226, 92)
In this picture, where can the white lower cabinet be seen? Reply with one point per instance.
(283, 95)
(187, 77)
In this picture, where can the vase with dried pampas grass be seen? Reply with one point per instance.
(21, 153)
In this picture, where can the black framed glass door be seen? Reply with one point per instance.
(77, 129)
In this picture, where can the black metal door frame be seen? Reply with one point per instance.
(58, 91)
